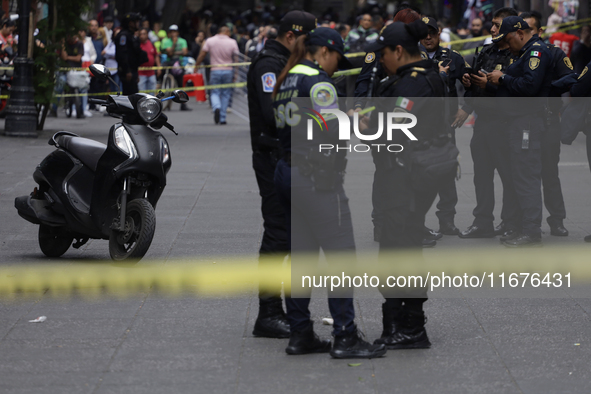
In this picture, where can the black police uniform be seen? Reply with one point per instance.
(490, 150)
(403, 208)
(365, 86)
(128, 55)
(524, 123)
(582, 88)
(312, 220)
(448, 195)
(262, 74)
(560, 67)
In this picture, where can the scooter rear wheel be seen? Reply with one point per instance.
(54, 241)
(140, 224)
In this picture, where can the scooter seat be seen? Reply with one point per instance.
(87, 151)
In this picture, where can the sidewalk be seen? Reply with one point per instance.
(152, 344)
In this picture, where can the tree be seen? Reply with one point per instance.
(63, 21)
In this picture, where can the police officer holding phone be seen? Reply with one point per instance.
(489, 148)
(452, 66)
(262, 76)
(524, 87)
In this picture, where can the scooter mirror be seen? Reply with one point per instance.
(99, 71)
(180, 96)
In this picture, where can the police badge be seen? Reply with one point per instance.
(568, 62)
(534, 62)
(370, 57)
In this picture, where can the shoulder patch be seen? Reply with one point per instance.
(424, 55)
(457, 52)
(370, 57)
(567, 62)
(536, 44)
(583, 72)
(534, 62)
(123, 39)
(324, 95)
(269, 80)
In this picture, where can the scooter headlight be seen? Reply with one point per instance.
(124, 142)
(164, 151)
(149, 109)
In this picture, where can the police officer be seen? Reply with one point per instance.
(581, 91)
(310, 185)
(448, 196)
(403, 205)
(128, 53)
(489, 148)
(553, 200)
(262, 75)
(371, 73)
(529, 76)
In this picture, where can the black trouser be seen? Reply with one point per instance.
(274, 242)
(403, 218)
(315, 220)
(129, 87)
(448, 197)
(526, 168)
(490, 151)
(553, 199)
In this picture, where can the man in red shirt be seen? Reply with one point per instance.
(148, 77)
(564, 41)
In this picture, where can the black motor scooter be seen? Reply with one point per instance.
(91, 190)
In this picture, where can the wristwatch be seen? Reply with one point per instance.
(502, 79)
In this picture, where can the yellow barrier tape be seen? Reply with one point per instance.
(353, 71)
(186, 89)
(234, 275)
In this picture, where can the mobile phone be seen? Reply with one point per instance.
(483, 71)
(446, 63)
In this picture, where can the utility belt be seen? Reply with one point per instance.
(326, 170)
(429, 163)
(267, 143)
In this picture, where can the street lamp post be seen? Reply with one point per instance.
(21, 114)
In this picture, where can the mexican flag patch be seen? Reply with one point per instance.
(404, 103)
(536, 54)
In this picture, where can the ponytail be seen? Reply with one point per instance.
(299, 52)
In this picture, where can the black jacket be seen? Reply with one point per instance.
(129, 54)
(262, 75)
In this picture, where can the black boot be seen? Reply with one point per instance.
(306, 341)
(390, 319)
(411, 333)
(352, 345)
(271, 322)
(185, 107)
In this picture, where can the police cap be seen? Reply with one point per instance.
(398, 33)
(327, 37)
(509, 25)
(299, 22)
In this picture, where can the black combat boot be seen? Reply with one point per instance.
(352, 345)
(306, 341)
(271, 322)
(411, 333)
(390, 320)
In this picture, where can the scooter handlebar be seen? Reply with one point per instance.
(97, 101)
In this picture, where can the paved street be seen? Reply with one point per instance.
(149, 343)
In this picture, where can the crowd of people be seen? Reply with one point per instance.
(513, 87)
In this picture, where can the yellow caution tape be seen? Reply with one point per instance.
(494, 266)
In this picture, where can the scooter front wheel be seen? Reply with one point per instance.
(133, 242)
(54, 241)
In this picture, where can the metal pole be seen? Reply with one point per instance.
(21, 118)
